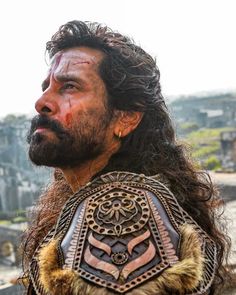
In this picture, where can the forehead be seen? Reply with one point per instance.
(74, 58)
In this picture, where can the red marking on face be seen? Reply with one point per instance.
(73, 85)
(68, 119)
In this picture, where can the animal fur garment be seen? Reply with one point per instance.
(180, 278)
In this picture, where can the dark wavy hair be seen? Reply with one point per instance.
(132, 81)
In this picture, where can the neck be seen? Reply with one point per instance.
(82, 174)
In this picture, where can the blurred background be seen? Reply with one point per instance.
(194, 46)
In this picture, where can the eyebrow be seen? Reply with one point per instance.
(63, 78)
(69, 77)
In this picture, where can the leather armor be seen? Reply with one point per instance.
(121, 231)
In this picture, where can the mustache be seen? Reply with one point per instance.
(46, 122)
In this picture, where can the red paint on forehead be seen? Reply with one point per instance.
(71, 60)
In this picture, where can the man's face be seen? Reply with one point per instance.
(73, 124)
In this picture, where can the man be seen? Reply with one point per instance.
(127, 211)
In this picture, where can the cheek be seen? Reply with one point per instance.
(69, 113)
(72, 117)
(68, 119)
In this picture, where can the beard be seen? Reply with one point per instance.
(69, 147)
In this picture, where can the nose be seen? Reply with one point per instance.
(45, 105)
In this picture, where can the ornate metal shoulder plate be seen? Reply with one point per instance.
(122, 230)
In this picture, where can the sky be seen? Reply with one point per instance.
(193, 42)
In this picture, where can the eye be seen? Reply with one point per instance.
(69, 86)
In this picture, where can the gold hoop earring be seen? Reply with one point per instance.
(119, 134)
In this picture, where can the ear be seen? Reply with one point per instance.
(126, 122)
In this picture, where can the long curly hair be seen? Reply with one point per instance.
(132, 81)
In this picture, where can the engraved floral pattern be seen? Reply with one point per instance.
(117, 211)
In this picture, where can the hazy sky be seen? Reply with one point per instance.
(193, 41)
